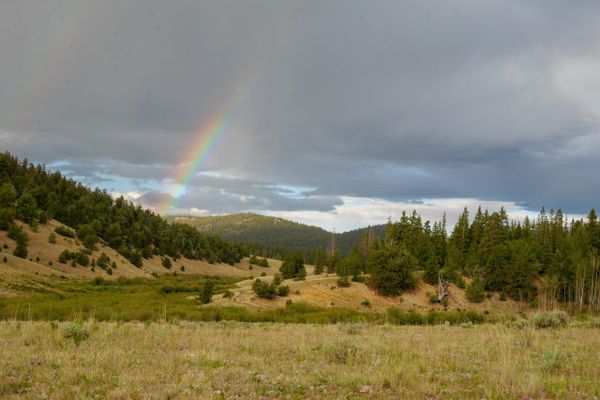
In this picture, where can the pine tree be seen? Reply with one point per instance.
(320, 261)
(26, 208)
(207, 292)
(391, 269)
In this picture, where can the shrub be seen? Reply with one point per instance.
(82, 259)
(166, 262)
(75, 331)
(341, 353)
(263, 289)
(358, 278)
(553, 361)
(475, 291)
(366, 303)
(52, 238)
(227, 294)
(64, 231)
(103, 261)
(283, 291)
(99, 281)
(277, 279)
(593, 322)
(550, 319)
(64, 256)
(343, 281)
(20, 250)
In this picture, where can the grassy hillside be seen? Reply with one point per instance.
(273, 235)
(44, 259)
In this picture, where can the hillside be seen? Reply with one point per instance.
(44, 259)
(272, 235)
(49, 221)
(325, 291)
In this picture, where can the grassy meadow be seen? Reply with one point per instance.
(174, 297)
(234, 360)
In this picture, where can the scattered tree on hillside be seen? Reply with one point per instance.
(293, 267)
(207, 292)
(320, 261)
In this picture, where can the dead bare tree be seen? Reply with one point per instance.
(442, 289)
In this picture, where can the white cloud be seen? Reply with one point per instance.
(360, 212)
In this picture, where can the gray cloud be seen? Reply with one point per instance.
(399, 100)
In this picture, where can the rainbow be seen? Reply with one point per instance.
(204, 144)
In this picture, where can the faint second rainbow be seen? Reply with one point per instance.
(204, 144)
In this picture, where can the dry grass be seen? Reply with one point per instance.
(323, 291)
(272, 361)
(48, 254)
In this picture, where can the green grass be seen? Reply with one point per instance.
(167, 296)
(173, 297)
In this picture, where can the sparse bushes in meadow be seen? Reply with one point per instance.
(75, 331)
(550, 319)
(398, 317)
(283, 290)
(343, 281)
(341, 353)
(263, 289)
(593, 322)
(553, 361)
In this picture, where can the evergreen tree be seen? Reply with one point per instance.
(207, 292)
(293, 267)
(26, 208)
(320, 262)
(391, 269)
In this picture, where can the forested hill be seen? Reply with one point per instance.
(272, 235)
(32, 195)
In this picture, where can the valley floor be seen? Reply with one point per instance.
(228, 360)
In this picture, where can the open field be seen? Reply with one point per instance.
(229, 360)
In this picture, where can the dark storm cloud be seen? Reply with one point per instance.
(399, 100)
(223, 195)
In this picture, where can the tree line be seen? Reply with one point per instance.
(547, 260)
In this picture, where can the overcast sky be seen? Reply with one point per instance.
(356, 110)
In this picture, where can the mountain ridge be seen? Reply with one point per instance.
(270, 235)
